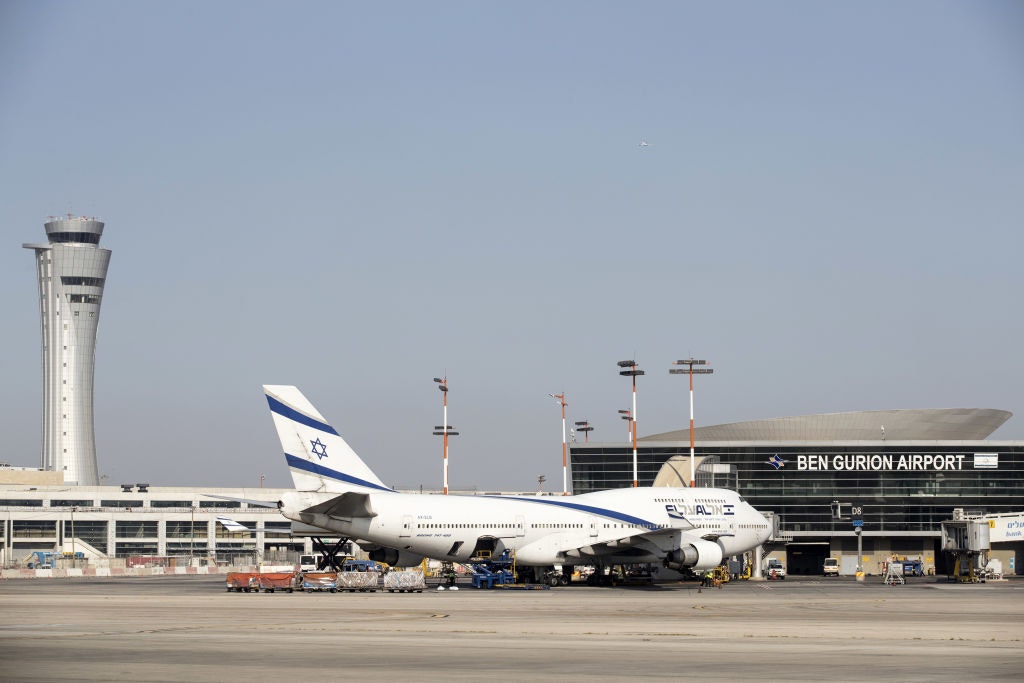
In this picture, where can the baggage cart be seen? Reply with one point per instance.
(404, 581)
(319, 581)
(272, 581)
(243, 581)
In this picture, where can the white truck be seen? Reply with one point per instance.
(773, 569)
(307, 563)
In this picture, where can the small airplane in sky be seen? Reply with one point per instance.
(335, 490)
(644, 143)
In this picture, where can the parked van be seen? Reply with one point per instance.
(831, 567)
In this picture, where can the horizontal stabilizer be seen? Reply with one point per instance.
(251, 502)
(347, 505)
(232, 525)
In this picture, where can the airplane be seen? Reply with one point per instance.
(644, 143)
(681, 528)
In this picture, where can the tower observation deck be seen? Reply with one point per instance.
(72, 271)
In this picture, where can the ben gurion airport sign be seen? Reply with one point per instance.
(910, 462)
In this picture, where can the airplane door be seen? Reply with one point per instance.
(520, 525)
(593, 527)
(406, 526)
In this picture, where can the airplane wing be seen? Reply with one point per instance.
(639, 542)
(347, 505)
(634, 543)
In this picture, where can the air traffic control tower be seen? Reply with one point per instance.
(72, 270)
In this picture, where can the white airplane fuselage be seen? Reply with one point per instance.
(606, 527)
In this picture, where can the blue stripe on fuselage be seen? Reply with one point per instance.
(313, 468)
(604, 512)
(294, 415)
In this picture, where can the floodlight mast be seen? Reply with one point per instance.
(445, 429)
(627, 415)
(630, 369)
(584, 426)
(689, 363)
(561, 401)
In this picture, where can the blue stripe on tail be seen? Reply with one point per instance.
(294, 415)
(313, 468)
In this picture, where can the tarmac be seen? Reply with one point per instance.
(189, 628)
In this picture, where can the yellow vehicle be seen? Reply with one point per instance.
(720, 575)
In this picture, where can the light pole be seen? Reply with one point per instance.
(561, 401)
(191, 534)
(444, 429)
(73, 508)
(584, 426)
(630, 369)
(689, 363)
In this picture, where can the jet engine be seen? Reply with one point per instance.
(698, 555)
(394, 557)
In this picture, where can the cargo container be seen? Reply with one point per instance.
(319, 581)
(282, 581)
(243, 581)
(404, 581)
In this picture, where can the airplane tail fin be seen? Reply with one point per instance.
(319, 459)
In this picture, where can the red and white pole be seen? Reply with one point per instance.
(633, 422)
(444, 422)
(444, 430)
(689, 363)
(693, 482)
(565, 468)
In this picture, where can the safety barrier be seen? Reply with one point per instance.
(85, 572)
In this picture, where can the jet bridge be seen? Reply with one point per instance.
(967, 540)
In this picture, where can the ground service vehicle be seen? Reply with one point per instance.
(40, 560)
(45, 559)
(913, 567)
(831, 567)
(773, 569)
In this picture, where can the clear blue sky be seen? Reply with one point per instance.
(357, 197)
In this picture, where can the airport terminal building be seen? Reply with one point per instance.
(907, 471)
(135, 524)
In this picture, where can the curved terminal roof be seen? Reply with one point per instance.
(928, 424)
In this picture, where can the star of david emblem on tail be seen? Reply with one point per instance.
(319, 449)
